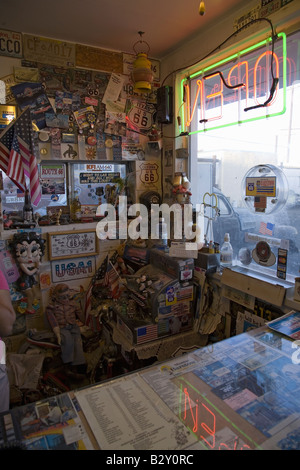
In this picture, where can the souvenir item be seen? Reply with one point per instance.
(28, 249)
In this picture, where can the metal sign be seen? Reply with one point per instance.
(49, 51)
(141, 115)
(11, 44)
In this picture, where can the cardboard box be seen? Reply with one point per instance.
(137, 333)
(180, 269)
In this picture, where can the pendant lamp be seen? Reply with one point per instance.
(142, 75)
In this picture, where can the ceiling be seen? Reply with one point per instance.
(114, 24)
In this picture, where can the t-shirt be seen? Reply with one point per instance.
(4, 383)
(3, 282)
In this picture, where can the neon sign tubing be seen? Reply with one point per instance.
(185, 87)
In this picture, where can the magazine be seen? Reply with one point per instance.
(288, 325)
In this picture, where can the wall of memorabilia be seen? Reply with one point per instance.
(81, 99)
(89, 128)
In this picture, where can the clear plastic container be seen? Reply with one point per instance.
(226, 252)
(162, 232)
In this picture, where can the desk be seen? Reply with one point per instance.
(240, 393)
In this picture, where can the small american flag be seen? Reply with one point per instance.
(15, 169)
(25, 137)
(146, 333)
(112, 278)
(10, 157)
(266, 228)
(16, 155)
(97, 279)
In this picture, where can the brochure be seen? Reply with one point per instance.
(288, 325)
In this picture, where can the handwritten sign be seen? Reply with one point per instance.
(73, 244)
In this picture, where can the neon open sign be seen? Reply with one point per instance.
(212, 428)
(241, 88)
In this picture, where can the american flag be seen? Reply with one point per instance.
(146, 333)
(266, 228)
(10, 157)
(15, 169)
(97, 279)
(112, 278)
(16, 155)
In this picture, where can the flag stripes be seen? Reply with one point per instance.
(16, 155)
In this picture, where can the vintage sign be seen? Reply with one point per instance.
(98, 59)
(141, 114)
(72, 269)
(49, 51)
(97, 178)
(11, 44)
(52, 171)
(147, 175)
(73, 244)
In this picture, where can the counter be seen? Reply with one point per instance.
(238, 394)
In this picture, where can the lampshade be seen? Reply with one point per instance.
(142, 75)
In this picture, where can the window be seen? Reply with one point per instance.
(53, 185)
(228, 144)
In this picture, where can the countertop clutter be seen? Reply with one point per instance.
(219, 397)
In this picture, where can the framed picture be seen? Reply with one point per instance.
(72, 244)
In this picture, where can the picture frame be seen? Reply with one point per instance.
(72, 244)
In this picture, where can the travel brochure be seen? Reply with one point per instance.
(288, 325)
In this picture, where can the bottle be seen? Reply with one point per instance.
(76, 209)
(226, 252)
(27, 208)
(162, 232)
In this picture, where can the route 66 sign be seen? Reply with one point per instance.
(148, 175)
(141, 115)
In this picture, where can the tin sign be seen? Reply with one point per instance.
(11, 43)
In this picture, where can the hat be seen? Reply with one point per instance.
(60, 289)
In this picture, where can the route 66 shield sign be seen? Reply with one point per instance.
(149, 175)
(141, 115)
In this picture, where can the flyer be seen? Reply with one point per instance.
(288, 325)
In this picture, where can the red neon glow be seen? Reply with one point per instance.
(209, 431)
(190, 115)
(197, 414)
(259, 77)
(238, 80)
(256, 67)
(218, 93)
